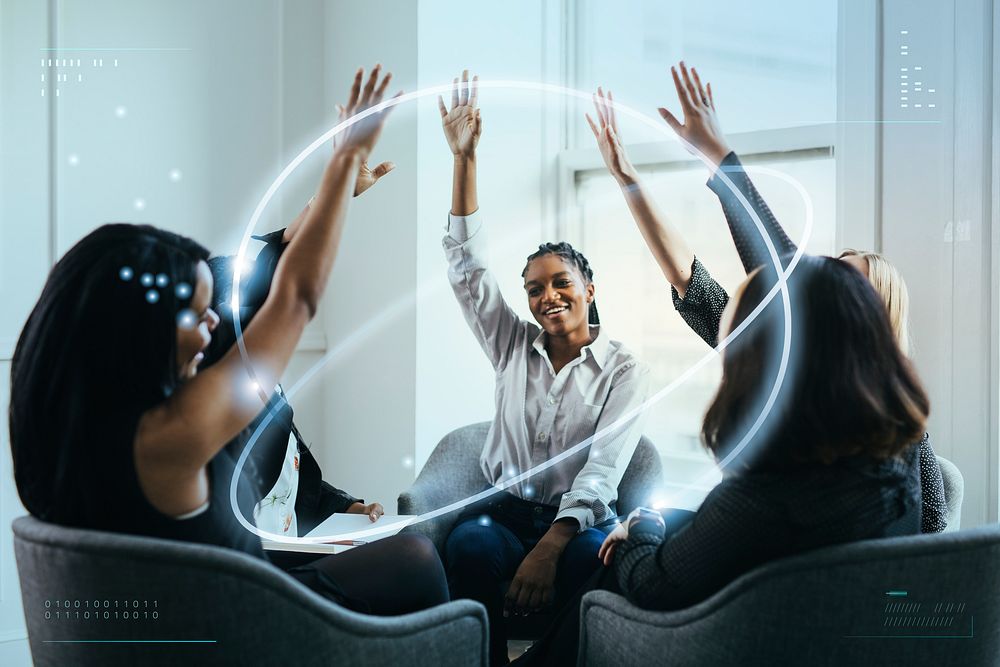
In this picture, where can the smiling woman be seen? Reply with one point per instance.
(559, 381)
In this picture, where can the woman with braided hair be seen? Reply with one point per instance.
(562, 388)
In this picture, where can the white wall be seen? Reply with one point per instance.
(369, 315)
(454, 380)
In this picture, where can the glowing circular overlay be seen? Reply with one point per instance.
(656, 124)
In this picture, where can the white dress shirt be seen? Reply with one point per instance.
(541, 413)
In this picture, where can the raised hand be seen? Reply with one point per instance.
(360, 138)
(700, 128)
(609, 140)
(366, 176)
(462, 124)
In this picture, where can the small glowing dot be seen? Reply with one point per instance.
(186, 319)
(121, 111)
(73, 159)
(529, 491)
(125, 273)
(932, 106)
(183, 290)
(162, 280)
(512, 471)
(659, 504)
(152, 296)
(254, 386)
(918, 68)
(904, 32)
(930, 90)
(175, 175)
(407, 461)
(139, 203)
(146, 279)
(484, 521)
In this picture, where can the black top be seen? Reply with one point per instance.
(705, 299)
(126, 509)
(756, 517)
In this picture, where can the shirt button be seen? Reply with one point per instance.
(541, 436)
(538, 510)
(552, 400)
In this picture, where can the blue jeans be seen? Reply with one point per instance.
(489, 542)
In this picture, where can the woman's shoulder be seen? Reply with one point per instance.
(623, 363)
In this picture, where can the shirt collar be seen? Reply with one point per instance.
(598, 348)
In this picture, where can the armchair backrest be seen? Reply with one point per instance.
(96, 598)
(925, 599)
(452, 472)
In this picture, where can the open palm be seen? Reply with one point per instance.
(609, 140)
(462, 124)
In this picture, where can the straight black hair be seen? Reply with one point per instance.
(98, 350)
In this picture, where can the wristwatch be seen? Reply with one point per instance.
(644, 513)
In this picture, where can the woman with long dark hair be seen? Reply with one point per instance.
(697, 297)
(832, 460)
(113, 426)
(559, 382)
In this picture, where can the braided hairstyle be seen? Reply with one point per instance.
(574, 257)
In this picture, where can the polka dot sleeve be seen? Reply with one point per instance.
(934, 508)
(703, 303)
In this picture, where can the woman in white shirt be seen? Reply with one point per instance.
(559, 382)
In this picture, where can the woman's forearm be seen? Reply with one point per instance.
(665, 241)
(464, 197)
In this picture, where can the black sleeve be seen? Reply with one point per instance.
(934, 509)
(749, 243)
(703, 303)
(336, 500)
(732, 532)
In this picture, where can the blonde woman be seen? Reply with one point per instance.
(696, 296)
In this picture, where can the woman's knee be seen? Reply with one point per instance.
(470, 541)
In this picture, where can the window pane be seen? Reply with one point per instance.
(772, 63)
(634, 298)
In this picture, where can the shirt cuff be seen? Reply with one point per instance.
(583, 515)
(461, 228)
(646, 527)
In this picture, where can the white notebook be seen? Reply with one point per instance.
(350, 527)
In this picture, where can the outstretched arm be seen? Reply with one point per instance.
(701, 133)
(667, 244)
(185, 432)
(493, 322)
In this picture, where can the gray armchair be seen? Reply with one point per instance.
(954, 490)
(452, 473)
(204, 605)
(921, 600)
